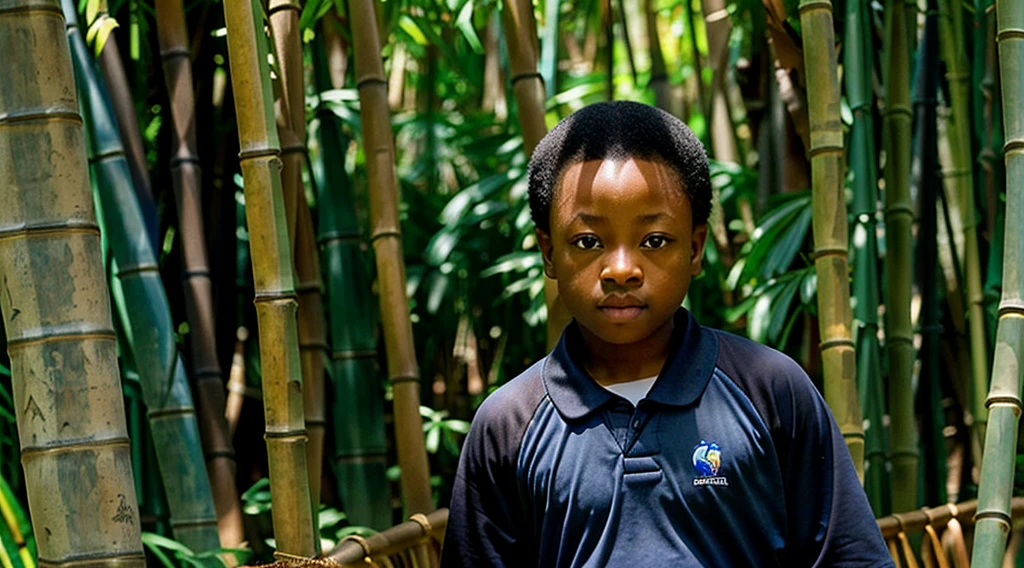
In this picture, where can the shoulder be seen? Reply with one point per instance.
(777, 386)
(502, 419)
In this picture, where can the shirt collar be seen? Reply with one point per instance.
(691, 361)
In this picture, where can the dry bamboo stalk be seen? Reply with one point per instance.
(71, 420)
(206, 371)
(829, 225)
(273, 279)
(386, 237)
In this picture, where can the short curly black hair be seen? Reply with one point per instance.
(619, 130)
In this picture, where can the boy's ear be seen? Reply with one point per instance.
(699, 239)
(544, 242)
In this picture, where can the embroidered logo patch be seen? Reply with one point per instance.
(707, 459)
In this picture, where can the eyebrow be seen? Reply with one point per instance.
(592, 219)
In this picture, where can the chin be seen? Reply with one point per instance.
(622, 334)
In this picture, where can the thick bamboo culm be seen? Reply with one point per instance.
(291, 124)
(858, 55)
(386, 237)
(829, 225)
(206, 370)
(528, 86)
(56, 307)
(273, 278)
(352, 552)
(659, 76)
(899, 220)
(1004, 403)
(360, 440)
(146, 315)
(959, 182)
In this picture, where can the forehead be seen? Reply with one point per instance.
(627, 182)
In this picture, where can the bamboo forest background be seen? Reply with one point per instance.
(895, 281)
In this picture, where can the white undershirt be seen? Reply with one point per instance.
(633, 391)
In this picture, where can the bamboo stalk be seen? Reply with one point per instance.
(71, 420)
(960, 182)
(360, 442)
(128, 125)
(659, 76)
(186, 177)
(275, 301)
(829, 225)
(927, 186)
(993, 520)
(528, 87)
(236, 382)
(717, 27)
(291, 124)
(858, 58)
(899, 220)
(386, 237)
(146, 314)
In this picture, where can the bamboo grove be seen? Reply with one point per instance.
(307, 256)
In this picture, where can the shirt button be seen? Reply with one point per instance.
(636, 424)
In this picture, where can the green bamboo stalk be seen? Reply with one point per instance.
(56, 307)
(186, 177)
(549, 47)
(273, 278)
(146, 315)
(291, 124)
(927, 185)
(528, 86)
(858, 58)
(992, 522)
(386, 237)
(360, 443)
(959, 181)
(899, 220)
(829, 225)
(128, 125)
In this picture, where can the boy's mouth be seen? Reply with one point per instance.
(621, 308)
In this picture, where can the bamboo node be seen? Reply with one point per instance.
(178, 160)
(195, 273)
(108, 155)
(897, 111)
(400, 380)
(29, 453)
(174, 53)
(1013, 146)
(422, 521)
(259, 153)
(838, 342)
(1010, 307)
(822, 252)
(202, 522)
(824, 149)
(278, 6)
(52, 9)
(140, 268)
(1000, 517)
(293, 148)
(1009, 33)
(63, 334)
(1004, 400)
(49, 114)
(361, 542)
(809, 5)
(171, 412)
(382, 234)
(219, 454)
(533, 75)
(353, 354)
(371, 80)
(71, 560)
(264, 297)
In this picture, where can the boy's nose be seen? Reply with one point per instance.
(622, 269)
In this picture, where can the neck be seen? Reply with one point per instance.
(610, 363)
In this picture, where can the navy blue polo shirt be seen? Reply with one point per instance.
(732, 459)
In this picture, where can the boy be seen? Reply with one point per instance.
(644, 439)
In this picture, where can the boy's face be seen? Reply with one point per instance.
(622, 246)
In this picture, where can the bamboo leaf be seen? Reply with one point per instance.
(465, 24)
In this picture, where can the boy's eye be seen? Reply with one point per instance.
(587, 242)
(655, 242)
